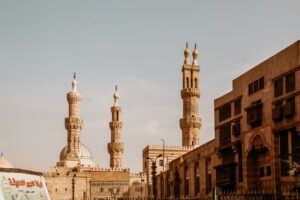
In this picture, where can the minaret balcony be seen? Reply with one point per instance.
(115, 147)
(73, 123)
(115, 125)
(190, 123)
(190, 92)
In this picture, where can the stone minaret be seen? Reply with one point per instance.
(190, 124)
(73, 124)
(115, 147)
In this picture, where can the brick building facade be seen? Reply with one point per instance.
(257, 135)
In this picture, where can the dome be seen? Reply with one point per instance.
(85, 155)
(4, 163)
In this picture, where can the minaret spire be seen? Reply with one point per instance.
(195, 56)
(73, 124)
(115, 147)
(187, 54)
(190, 123)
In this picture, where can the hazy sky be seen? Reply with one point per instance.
(139, 46)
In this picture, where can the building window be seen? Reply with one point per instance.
(225, 112)
(290, 82)
(295, 146)
(254, 114)
(225, 134)
(236, 128)
(261, 172)
(117, 115)
(187, 82)
(277, 112)
(197, 178)
(261, 83)
(289, 107)
(186, 181)
(284, 153)
(237, 107)
(268, 170)
(278, 87)
(256, 85)
(240, 163)
(208, 176)
(196, 83)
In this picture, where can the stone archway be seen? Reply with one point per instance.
(259, 165)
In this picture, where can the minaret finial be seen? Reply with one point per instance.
(74, 83)
(116, 96)
(186, 54)
(195, 56)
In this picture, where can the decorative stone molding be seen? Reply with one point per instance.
(115, 125)
(74, 123)
(115, 148)
(190, 92)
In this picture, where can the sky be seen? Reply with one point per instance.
(137, 45)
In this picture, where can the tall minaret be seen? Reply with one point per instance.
(190, 124)
(73, 123)
(115, 147)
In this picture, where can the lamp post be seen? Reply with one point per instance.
(162, 179)
(153, 167)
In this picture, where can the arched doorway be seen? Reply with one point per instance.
(259, 166)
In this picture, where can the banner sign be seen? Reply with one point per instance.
(22, 186)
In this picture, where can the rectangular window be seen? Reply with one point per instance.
(240, 164)
(289, 107)
(197, 178)
(225, 134)
(268, 170)
(208, 176)
(295, 146)
(255, 86)
(284, 153)
(290, 82)
(278, 87)
(261, 83)
(261, 172)
(277, 112)
(225, 112)
(237, 107)
(250, 89)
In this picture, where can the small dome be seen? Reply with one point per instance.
(85, 155)
(4, 163)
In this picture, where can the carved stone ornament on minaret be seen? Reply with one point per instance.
(190, 124)
(73, 122)
(115, 147)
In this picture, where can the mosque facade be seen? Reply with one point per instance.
(76, 176)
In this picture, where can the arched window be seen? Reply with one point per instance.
(196, 83)
(117, 115)
(187, 82)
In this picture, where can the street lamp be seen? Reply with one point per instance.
(163, 153)
(154, 190)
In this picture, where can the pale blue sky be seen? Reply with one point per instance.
(139, 46)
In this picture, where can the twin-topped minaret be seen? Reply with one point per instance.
(115, 147)
(190, 124)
